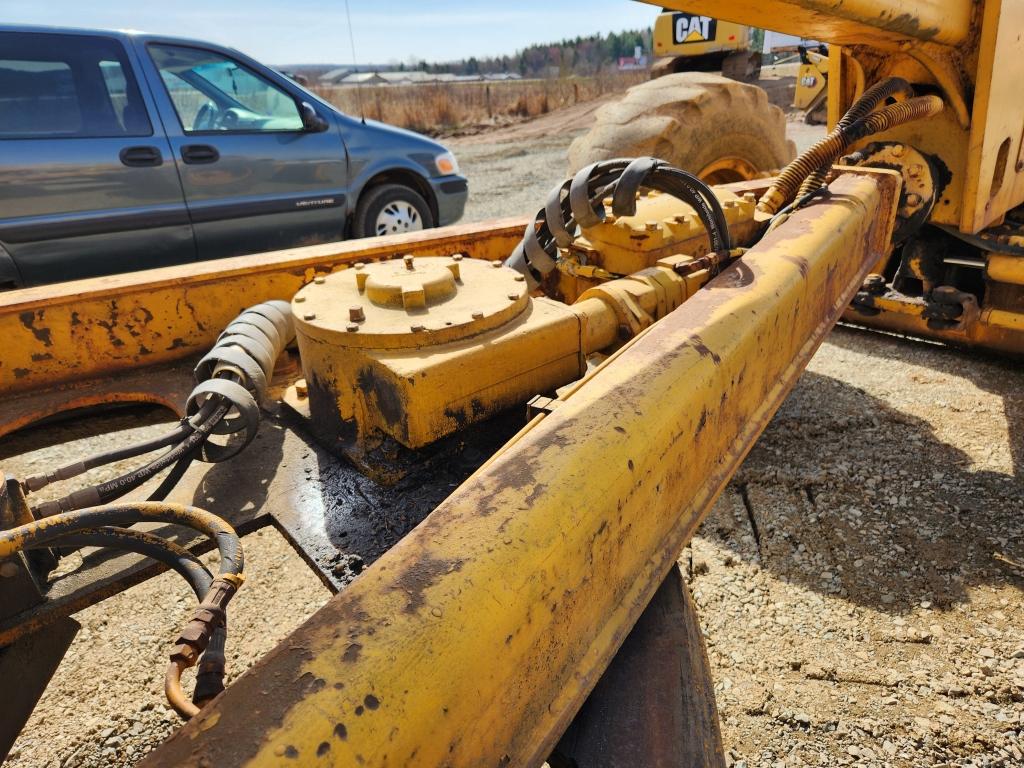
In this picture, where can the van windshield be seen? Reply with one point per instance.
(213, 92)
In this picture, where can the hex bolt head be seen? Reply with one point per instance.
(299, 299)
(457, 257)
(309, 316)
(319, 279)
(651, 226)
(478, 315)
(496, 263)
(513, 297)
(913, 199)
(408, 262)
(416, 328)
(351, 327)
(360, 265)
(356, 314)
(520, 278)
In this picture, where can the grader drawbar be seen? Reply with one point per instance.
(493, 441)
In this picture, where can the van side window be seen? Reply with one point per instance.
(212, 92)
(67, 86)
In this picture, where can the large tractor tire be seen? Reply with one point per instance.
(717, 128)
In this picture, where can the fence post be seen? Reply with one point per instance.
(487, 94)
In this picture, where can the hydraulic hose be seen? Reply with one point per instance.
(76, 468)
(160, 549)
(173, 478)
(206, 629)
(232, 380)
(110, 490)
(579, 202)
(850, 128)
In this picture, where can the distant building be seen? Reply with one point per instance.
(335, 76)
(406, 77)
(637, 61)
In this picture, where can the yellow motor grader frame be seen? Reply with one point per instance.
(476, 638)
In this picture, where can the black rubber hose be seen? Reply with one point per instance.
(108, 457)
(173, 477)
(125, 514)
(160, 549)
(111, 490)
(210, 680)
(579, 202)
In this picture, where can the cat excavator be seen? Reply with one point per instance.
(492, 441)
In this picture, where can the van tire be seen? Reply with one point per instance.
(391, 209)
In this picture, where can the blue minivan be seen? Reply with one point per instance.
(122, 151)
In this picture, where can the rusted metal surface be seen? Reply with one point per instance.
(166, 385)
(655, 704)
(339, 520)
(93, 328)
(882, 23)
(475, 640)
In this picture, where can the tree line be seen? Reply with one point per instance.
(580, 56)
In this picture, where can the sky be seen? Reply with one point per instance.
(281, 32)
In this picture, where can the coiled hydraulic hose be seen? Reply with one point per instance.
(809, 170)
(232, 380)
(579, 202)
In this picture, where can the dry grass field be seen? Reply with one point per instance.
(445, 108)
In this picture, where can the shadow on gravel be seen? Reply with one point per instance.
(848, 497)
(999, 376)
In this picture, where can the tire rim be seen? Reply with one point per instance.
(726, 170)
(398, 216)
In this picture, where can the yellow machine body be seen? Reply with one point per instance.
(414, 348)
(811, 81)
(475, 639)
(693, 34)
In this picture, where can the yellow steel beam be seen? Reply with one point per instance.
(880, 23)
(996, 329)
(476, 638)
(91, 328)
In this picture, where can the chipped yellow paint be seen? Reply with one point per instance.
(881, 23)
(94, 328)
(475, 639)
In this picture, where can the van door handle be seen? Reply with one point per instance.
(140, 157)
(199, 154)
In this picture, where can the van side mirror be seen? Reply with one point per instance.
(311, 121)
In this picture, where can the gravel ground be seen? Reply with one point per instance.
(859, 582)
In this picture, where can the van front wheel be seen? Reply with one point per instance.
(391, 209)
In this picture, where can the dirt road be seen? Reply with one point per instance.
(859, 583)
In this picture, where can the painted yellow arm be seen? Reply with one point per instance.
(475, 639)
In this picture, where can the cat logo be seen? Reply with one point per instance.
(691, 28)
